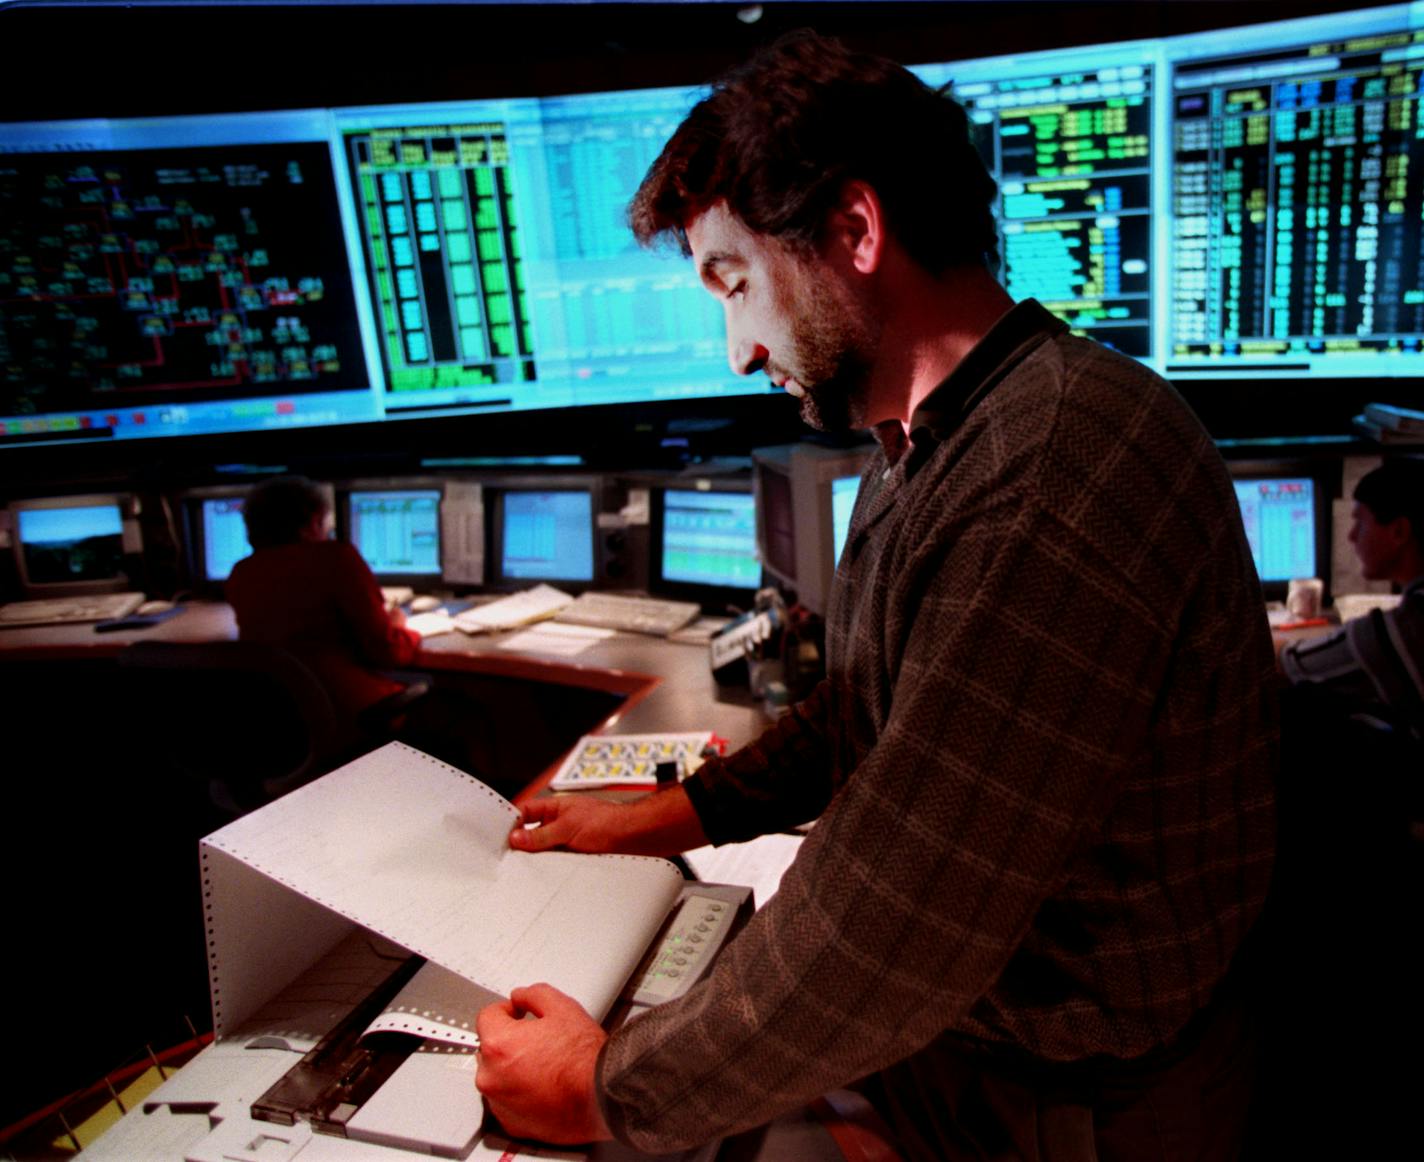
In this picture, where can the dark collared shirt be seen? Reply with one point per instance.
(1042, 759)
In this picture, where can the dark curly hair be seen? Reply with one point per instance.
(276, 511)
(1393, 490)
(779, 136)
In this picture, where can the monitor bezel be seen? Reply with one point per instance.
(1324, 476)
(344, 524)
(130, 544)
(196, 540)
(714, 599)
(495, 493)
(810, 470)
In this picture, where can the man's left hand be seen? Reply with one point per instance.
(537, 1074)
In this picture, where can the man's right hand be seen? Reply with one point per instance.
(662, 823)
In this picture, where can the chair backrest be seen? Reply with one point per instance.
(251, 719)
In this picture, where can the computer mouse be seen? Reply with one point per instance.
(149, 608)
(424, 603)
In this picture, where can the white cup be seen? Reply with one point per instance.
(1305, 596)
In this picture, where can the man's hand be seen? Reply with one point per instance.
(661, 823)
(537, 1075)
(570, 823)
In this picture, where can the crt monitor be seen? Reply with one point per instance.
(216, 534)
(221, 540)
(1284, 512)
(74, 544)
(543, 534)
(397, 531)
(844, 490)
(704, 542)
(804, 498)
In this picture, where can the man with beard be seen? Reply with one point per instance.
(1041, 760)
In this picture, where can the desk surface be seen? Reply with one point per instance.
(667, 686)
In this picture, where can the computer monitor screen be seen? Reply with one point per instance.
(65, 545)
(174, 276)
(709, 538)
(844, 490)
(1230, 204)
(1295, 235)
(776, 518)
(224, 536)
(75, 545)
(1281, 519)
(545, 535)
(805, 495)
(397, 531)
(194, 275)
(1068, 136)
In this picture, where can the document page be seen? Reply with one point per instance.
(417, 851)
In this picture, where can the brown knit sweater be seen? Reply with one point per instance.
(1042, 760)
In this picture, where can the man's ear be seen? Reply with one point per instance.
(856, 226)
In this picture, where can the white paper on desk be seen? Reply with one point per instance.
(431, 624)
(759, 863)
(417, 851)
(536, 604)
(557, 638)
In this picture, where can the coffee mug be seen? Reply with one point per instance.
(1304, 596)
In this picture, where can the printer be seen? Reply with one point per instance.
(356, 927)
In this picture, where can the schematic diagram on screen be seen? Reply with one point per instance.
(169, 275)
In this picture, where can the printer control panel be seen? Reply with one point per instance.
(705, 918)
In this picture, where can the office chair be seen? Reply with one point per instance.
(248, 721)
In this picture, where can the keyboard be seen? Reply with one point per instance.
(634, 614)
(67, 610)
(537, 604)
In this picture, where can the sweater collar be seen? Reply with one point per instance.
(1006, 344)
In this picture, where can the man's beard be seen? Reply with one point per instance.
(833, 347)
(835, 405)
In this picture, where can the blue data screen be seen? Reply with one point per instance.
(1279, 515)
(547, 536)
(398, 531)
(843, 493)
(224, 536)
(83, 543)
(709, 538)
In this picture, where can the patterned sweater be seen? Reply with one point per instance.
(1042, 760)
(1376, 660)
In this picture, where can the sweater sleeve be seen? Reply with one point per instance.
(782, 778)
(1008, 732)
(378, 638)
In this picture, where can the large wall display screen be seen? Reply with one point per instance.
(1244, 203)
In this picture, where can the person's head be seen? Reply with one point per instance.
(1387, 525)
(285, 510)
(807, 146)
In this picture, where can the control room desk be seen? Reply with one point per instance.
(665, 686)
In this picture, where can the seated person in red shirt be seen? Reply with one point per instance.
(316, 597)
